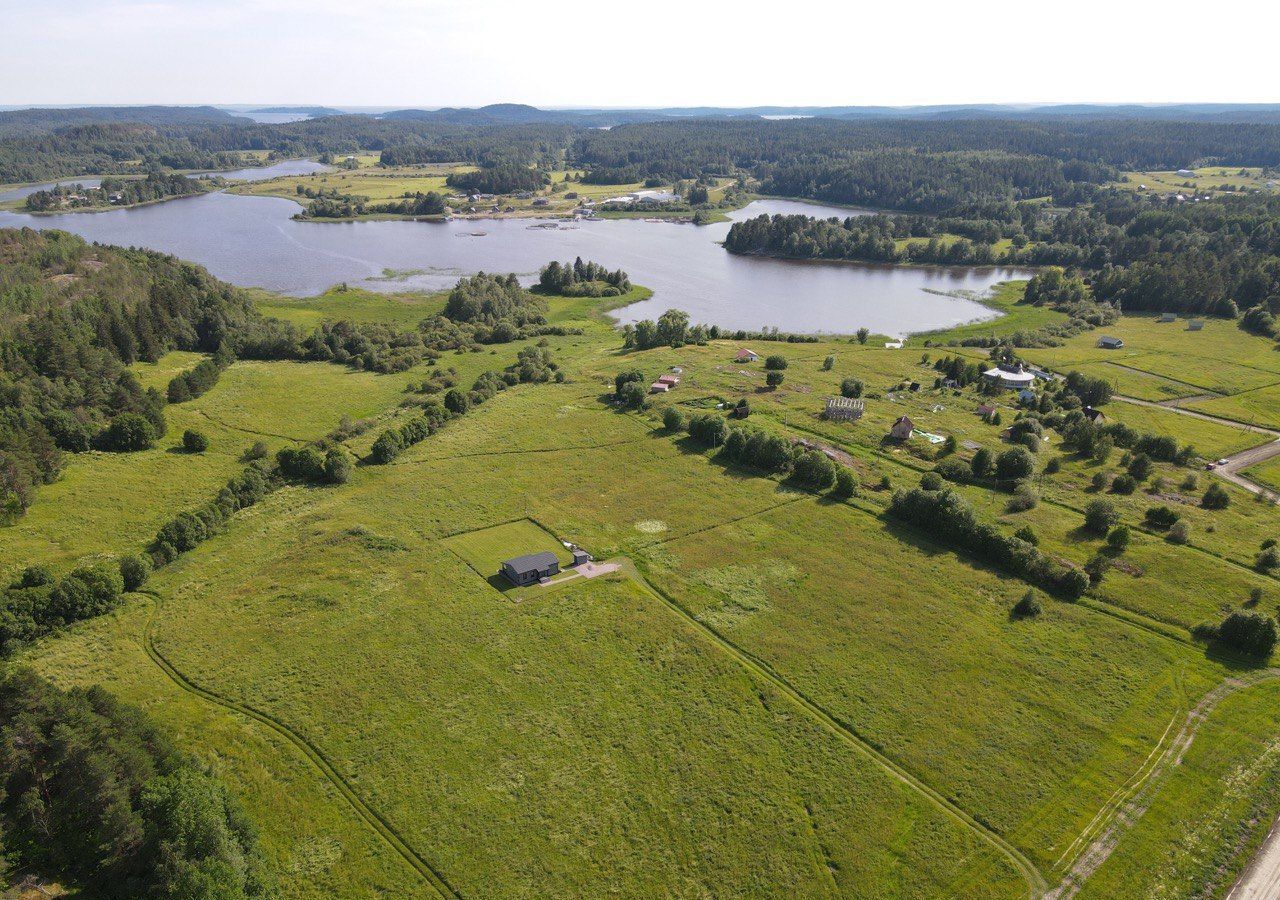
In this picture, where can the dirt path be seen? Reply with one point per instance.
(1261, 879)
(1036, 884)
(1125, 808)
(313, 754)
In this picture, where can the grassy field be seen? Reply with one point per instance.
(1201, 181)
(777, 695)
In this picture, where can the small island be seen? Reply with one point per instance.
(117, 192)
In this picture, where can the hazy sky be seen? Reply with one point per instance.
(650, 53)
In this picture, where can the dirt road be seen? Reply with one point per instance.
(1261, 880)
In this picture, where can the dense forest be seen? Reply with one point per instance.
(91, 792)
(1215, 257)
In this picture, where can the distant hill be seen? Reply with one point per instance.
(38, 119)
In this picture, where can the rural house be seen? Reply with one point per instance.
(1110, 343)
(745, 355)
(669, 380)
(659, 387)
(1093, 415)
(531, 567)
(986, 410)
(902, 429)
(844, 409)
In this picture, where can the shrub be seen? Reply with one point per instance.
(386, 448)
(1014, 464)
(301, 465)
(1161, 517)
(828, 364)
(1023, 499)
(1028, 534)
(337, 466)
(257, 451)
(1267, 560)
(127, 433)
(1250, 633)
(134, 570)
(1100, 516)
(1053, 466)
(1099, 481)
(1124, 484)
(980, 466)
(627, 377)
(1027, 607)
(1140, 467)
(708, 429)
(851, 387)
(194, 441)
(953, 470)
(1179, 533)
(458, 403)
(673, 419)
(846, 485)
(632, 395)
(776, 362)
(931, 481)
(813, 469)
(885, 483)
(1190, 483)
(1215, 497)
(774, 379)
(1096, 568)
(1118, 539)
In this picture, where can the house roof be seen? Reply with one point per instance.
(1110, 340)
(744, 352)
(986, 409)
(532, 562)
(904, 420)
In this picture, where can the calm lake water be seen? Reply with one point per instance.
(254, 241)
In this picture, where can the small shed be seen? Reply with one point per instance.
(914, 386)
(672, 380)
(745, 355)
(1195, 325)
(531, 567)
(580, 556)
(1110, 343)
(844, 409)
(1168, 317)
(1093, 415)
(986, 410)
(902, 429)
(659, 387)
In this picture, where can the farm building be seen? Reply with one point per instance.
(1110, 343)
(745, 355)
(1195, 325)
(659, 387)
(1009, 376)
(902, 429)
(844, 409)
(580, 556)
(531, 567)
(671, 380)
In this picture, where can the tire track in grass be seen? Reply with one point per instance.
(1036, 884)
(314, 755)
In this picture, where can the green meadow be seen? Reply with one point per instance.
(778, 694)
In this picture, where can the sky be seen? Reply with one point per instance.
(428, 53)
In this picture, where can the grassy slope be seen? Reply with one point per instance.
(588, 740)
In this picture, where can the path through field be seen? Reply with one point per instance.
(385, 830)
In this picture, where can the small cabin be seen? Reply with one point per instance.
(671, 380)
(659, 387)
(1110, 343)
(1168, 317)
(844, 409)
(745, 355)
(531, 567)
(902, 429)
(580, 557)
(986, 410)
(1093, 415)
(1195, 325)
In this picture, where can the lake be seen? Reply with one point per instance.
(254, 241)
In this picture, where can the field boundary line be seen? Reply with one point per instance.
(313, 754)
(1036, 883)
